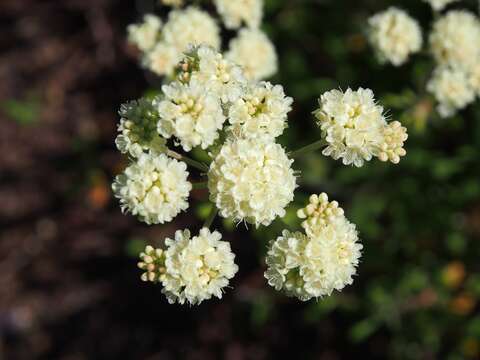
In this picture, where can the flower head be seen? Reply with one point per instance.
(255, 53)
(313, 266)
(394, 137)
(251, 180)
(394, 35)
(190, 113)
(162, 59)
(146, 34)
(154, 188)
(138, 129)
(455, 39)
(197, 268)
(451, 88)
(152, 261)
(439, 5)
(183, 28)
(190, 26)
(234, 13)
(351, 124)
(175, 3)
(260, 111)
(217, 74)
(318, 213)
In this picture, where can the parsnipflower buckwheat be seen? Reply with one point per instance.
(197, 268)
(251, 180)
(154, 188)
(394, 35)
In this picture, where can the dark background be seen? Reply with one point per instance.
(69, 286)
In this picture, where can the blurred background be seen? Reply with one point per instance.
(69, 285)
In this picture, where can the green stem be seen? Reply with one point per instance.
(196, 164)
(211, 216)
(309, 148)
(200, 185)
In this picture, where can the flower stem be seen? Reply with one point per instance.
(211, 216)
(196, 164)
(199, 185)
(309, 148)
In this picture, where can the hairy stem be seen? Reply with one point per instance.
(309, 148)
(211, 216)
(196, 164)
(200, 185)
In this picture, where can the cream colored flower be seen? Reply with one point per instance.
(284, 260)
(197, 268)
(439, 5)
(255, 53)
(236, 12)
(394, 137)
(451, 89)
(218, 75)
(175, 3)
(145, 35)
(331, 258)
(474, 77)
(154, 188)
(352, 125)
(261, 111)
(394, 35)
(314, 266)
(152, 261)
(191, 114)
(183, 28)
(162, 59)
(455, 39)
(318, 213)
(251, 180)
(190, 26)
(138, 129)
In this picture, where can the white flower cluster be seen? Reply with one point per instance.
(163, 45)
(455, 45)
(145, 35)
(263, 63)
(251, 180)
(322, 260)
(234, 13)
(138, 129)
(190, 269)
(191, 114)
(355, 129)
(439, 5)
(154, 187)
(184, 27)
(394, 35)
(261, 111)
